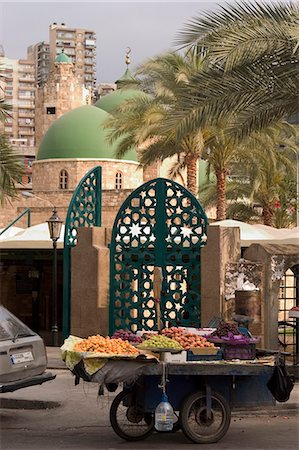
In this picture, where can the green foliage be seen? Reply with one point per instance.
(11, 170)
(250, 74)
(140, 122)
(264, 178)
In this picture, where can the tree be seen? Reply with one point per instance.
(264, 178)
(250, 69)
(11, 168)
(139, 122)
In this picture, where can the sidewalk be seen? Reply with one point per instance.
(290, 407)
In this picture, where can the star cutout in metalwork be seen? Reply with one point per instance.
(135, 230)
(186, 232)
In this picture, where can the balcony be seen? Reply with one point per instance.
(24, 124)
(90, 43)
(26, 114)
(26, 79)
(26, 105)
(26, 133)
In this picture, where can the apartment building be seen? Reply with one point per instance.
(18, 87)
(80, 45)
(40, 54)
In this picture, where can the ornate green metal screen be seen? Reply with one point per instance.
(160, 224)
(84, 211)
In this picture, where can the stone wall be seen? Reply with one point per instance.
(46, 173)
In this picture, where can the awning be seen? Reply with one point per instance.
(34, 237)
(258, 233)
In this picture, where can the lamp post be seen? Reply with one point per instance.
(54, 224)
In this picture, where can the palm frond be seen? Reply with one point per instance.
(11, 170)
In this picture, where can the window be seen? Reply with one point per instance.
(118, 180)
(63, 179)
(51, 110)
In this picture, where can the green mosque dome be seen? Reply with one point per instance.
(111, 102)
(63, 58)
(80, 134)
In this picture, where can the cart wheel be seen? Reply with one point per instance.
(200, 428)
(127, 421)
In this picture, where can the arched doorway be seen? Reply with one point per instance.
(160, 224)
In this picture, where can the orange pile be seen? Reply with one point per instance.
(187, 340)
(102, 344)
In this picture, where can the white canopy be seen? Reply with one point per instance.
(32, 238)
(11, 231)
(253, 234)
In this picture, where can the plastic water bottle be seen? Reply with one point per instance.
(164, 415)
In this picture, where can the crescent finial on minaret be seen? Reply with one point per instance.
(128, 61)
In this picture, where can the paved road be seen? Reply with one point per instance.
(77, 419)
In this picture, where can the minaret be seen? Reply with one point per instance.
(62, 92)
(127, 76)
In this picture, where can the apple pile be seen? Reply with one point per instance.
(186, 340)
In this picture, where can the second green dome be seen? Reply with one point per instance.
(112, 101)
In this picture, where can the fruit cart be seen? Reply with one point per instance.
(201, 388)
(202, 395)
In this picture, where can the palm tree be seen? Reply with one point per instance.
(261, 169)
(251, 68)
(139, 122)
(220, 154)
(11, 168)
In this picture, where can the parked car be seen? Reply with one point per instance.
(23, 358)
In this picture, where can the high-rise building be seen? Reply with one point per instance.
(18, 86)
(40, 54)
(80, 45)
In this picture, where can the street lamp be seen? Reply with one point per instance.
(54, 224)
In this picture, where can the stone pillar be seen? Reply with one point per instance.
(90, 283)
(223, 246)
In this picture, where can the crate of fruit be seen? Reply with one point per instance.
(240, 351)
(204, 354)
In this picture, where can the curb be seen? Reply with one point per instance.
(13, 403)
(291, 410)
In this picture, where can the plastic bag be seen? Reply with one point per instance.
(280, 384)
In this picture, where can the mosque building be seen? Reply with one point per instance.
(71, 140)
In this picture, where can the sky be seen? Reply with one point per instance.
(148, 28)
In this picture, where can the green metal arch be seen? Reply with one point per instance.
(160, 224)
(84, 211)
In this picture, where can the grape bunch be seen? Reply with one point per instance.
(127, 336)
(225, 329)
(160, 341)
